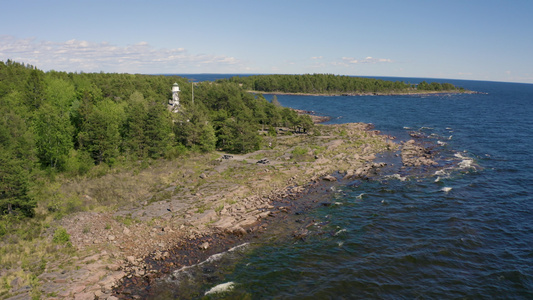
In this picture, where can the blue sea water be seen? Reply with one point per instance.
(465, 232)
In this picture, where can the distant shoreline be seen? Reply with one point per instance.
(370, 93)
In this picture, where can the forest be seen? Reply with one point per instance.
(333, 84)
(67, 123)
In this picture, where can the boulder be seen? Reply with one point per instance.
(204, 246)
(329, 178)
(263, 215)
(131, 259)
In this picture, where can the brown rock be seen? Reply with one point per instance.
(329, 178)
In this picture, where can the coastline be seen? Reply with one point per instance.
(408, 93)
(210, 210)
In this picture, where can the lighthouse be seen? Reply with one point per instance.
(174, 103)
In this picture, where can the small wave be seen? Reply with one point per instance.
(438, 179)
(440, 172)
(360, 196)
(396, 176)
(450, 137)
(441, 143)
(405, 127)
(340, 231)
(210, 259)
(221, 288)
(446, 189)
(337, 203)
(466, 162)
(217, 256)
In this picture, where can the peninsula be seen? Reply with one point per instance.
(107, 184)
(336, 85)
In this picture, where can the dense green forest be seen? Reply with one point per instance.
(67, 123)
(332, 84)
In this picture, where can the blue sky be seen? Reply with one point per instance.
(468, 39)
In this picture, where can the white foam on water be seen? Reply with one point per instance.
(338, 203)
(340, 231)
(441, 172)
(446, 189)
(405, 127)
(466, 162)
(441, 143)
(212, 258)
(360, 196)
(396, 176)
(221, 288)
(450, 137)
(438, 179)
(340, 244)
(458, 155)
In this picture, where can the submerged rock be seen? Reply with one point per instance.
(204, 246)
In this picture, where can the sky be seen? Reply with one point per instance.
(466, 39)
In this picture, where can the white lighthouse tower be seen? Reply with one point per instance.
(174, 103)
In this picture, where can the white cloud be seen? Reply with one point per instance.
(367, 60)
(317, 57)
(76, 55)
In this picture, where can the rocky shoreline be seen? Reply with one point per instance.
(234, 199)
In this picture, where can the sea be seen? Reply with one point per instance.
(461, 231)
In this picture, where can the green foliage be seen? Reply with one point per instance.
(100, 134)
(78, 162)
(61, 236)
(54, 123)
(16, 160)
(328, 84)
(298, 151)
(53, 136)
(435, 86)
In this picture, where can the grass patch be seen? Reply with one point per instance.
(61, 236)
(219, 208)
(127, 220)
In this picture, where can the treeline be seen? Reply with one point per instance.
(70, 122)
(332, 84)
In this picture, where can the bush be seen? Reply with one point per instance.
(61, 236)
(78, 162)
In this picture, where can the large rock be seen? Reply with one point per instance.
(414, 155)
(329, 178)
(204, 246)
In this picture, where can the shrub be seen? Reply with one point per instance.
(298, 152)
(61, 236)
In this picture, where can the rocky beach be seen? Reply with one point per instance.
(210, 203)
